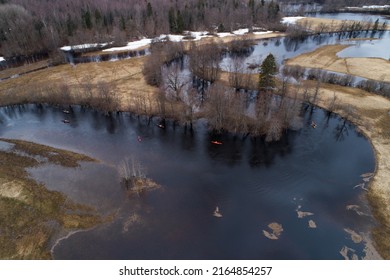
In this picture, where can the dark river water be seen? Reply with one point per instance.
(252, 182)
(285, 47)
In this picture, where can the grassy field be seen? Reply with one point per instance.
(371, 115)
(330, 25)
(29, 213)
(326, 58)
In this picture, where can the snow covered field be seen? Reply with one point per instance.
(83, 46)
(188, 36)
(372, 7)
(290, 20)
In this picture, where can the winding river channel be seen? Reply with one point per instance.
(311, 183)
(312, 177)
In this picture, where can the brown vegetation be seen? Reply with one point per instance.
(38, 28)
(277, 230)
(333, 25)
(133, 176)
(326, 58)
(369, 112)
(29, 213)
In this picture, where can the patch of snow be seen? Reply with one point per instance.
(83, 46)
(195, 36)
(371, 7)
(131, 46)
(262, 32)
(175, 38)
(290, 20)
(2, 59)
(376, 7)
(241, 31)
(224, 34)
(198, 35)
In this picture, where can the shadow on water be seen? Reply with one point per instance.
(254, 183)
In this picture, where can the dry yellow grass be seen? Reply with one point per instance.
(372, 112)
(326, 24)
(372, 117)
(23, 69)
(125, 76)
(326, 58)
(27, 208)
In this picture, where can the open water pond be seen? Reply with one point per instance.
(378, 48)
(308, 178)
(285, 47)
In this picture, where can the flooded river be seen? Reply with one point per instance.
(309, 183)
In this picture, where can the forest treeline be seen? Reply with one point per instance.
(341, 3)
(41, 26)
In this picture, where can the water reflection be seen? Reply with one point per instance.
(288, 47)
(253, 183)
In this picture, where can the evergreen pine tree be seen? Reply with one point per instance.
(172, 20)
(149, 10)
(179, 23)
(86, 15)
(268, 70)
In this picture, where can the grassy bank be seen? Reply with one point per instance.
(369, 112)
(29, 213)
(327, 24)
(326, 58)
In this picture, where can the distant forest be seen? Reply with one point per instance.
(340, 3)
(33, 28)
(38, 27)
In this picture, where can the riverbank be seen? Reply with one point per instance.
(221, 38)
(326, 58)
(328, 25)
(128, 86)
(30, 214)
(371, 114)
(80, 83)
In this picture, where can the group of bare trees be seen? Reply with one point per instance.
(334, 5)
(377, 87)
(228, 110)
(162, 53)
(205, 61)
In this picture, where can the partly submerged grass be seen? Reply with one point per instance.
(53, 155)
(381, 233)
(29, 213)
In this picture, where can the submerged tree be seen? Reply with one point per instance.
(268, 70)
(133, 176)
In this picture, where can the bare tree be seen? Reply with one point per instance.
(152, 69)
(237, 73)
(105, 99)
(130, 170)
(204, 61)
(275, 127)
(175, 81)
